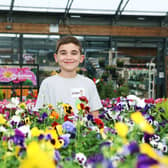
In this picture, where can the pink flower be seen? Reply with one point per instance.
(159, 100)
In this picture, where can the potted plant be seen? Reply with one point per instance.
(102, 62)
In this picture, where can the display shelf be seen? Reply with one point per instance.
(138, 81)
(141, 79)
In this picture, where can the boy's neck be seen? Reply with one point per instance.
(68, 74)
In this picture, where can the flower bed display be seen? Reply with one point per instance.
(130, 132)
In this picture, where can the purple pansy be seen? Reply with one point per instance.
(145, 161)
(133, 147)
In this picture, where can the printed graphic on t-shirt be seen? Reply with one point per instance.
(77, 92)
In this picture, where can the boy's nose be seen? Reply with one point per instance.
(69, 55)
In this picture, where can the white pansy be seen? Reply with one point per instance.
(10, 106)
(19, 111)
(80, 158)
(25, 129)
(15, 100)
(2, 129)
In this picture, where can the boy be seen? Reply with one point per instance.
(68, 86)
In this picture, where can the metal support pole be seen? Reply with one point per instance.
(21, 62)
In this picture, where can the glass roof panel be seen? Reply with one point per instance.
(133, 7)
(5, 4)
(146, 7)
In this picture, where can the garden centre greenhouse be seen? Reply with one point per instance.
(124, 44)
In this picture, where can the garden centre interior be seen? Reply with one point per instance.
(118, 36)
(125, 43)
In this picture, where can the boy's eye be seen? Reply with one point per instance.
(63, 53)
(74, 53)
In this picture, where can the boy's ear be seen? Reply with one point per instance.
(82, 58)
(55, 57)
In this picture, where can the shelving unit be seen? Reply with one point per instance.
(141, 79)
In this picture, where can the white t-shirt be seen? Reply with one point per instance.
(56, 89)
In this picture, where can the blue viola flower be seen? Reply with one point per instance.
(69, 127)
(66, 139)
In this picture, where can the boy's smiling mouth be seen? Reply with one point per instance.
(68, 62)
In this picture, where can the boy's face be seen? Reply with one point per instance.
(68, 57)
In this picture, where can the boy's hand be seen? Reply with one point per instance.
(95, 114)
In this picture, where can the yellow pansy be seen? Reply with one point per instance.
(23, 105)
(55, 141)
(52, 132)
(164, 160)
(67, 108)
(48, 147)
(121, 128)
(148, 150)
(139, 119)
(27, 120)
(146, 127)
(36, 132)
(37, 157)
(2, 119)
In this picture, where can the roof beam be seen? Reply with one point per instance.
(119, 10)
(165, 21)
(67, 9)
(9, 16)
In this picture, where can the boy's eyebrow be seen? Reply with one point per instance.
(62, 50)
(71, 51)
(75, 50)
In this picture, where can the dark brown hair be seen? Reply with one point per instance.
(67, 40)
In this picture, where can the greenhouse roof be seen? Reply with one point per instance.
(110, 7)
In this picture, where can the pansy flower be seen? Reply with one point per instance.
(2, 120)
(54, 115)
(44, 115)
(39, 156)
(69, 127)
(57, 156)
(121, 129)
(18, 138)
(23, 105)
(55, 133)
(84, 99)
(54, 124)
(139, 119)
(148, 150)
(36, 132)
(98, 122)
(144, 161)
(66, 139)
(133, 147)
(68, 109)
